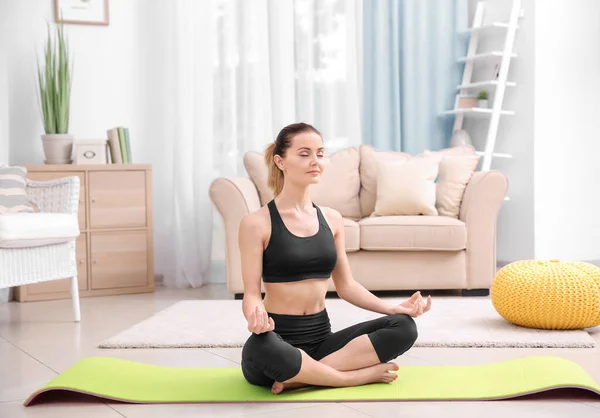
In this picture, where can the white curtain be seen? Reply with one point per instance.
(233, 73)
(4, 142)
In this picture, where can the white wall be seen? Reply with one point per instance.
(567, 132)
(118, 80)
(516, 234)
(4, 129)
(105, 82)
(554, 136)
(4, 116)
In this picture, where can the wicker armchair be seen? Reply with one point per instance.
(46, 261)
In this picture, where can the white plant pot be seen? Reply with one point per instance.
(58, 148)
(483, 103)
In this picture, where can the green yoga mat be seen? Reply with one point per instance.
(122, 380)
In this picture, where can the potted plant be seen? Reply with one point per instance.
(55, 96)
(482, 99)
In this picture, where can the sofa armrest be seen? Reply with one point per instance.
(483, 197)
(234, 198)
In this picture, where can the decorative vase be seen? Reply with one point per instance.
(460, 137)
(483, 103)
(58, 148)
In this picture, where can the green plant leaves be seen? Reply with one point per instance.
(55, 83)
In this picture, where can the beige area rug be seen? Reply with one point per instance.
(452, 322)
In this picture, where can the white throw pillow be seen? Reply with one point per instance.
(407, 187)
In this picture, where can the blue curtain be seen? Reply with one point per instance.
(410, 48)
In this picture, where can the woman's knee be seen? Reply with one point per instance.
(260, 347)
(396, 338)
(406, 326)
(267, 353)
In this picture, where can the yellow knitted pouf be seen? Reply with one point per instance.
(548, 294)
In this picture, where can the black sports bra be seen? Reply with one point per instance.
(290, 258)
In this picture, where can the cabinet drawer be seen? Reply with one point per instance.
(119, 259)
(117, 199)
(64, 285)
(51, 175)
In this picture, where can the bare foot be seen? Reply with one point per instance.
(279, 386)
(379, 373)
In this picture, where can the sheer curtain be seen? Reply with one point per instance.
(232, 74)
(411, 71)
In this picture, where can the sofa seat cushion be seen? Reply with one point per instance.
(18, 230)
(352, 233)
(412, 233)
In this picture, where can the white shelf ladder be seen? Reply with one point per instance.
(500, 83)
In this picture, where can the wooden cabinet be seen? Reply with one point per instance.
(115, 252)
(117, 200)
(118, 254)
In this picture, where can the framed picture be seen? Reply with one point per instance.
(83, 12)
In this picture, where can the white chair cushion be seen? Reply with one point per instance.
(18, 230)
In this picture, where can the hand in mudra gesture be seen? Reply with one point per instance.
(415, 306)
(259, 322)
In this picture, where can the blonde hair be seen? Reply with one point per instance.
(279, 147)
(275, 180)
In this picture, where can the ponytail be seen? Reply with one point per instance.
(275, 180)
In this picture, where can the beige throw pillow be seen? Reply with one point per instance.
(454, 175)
(370, 157)
(407, 187)
(339, 185)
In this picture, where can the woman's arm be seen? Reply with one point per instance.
(355, 293)
(347, 288)
(251, 247)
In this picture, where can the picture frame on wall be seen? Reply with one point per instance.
(81, 12)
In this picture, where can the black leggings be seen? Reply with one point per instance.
(274, 355)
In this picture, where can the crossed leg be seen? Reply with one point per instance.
(268, 360)
(360, 347)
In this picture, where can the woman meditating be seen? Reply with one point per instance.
(296, 247)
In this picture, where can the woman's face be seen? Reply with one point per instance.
(303, 162)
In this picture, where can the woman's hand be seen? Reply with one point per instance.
(259, 322)
(415, 306)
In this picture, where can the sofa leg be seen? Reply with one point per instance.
(475, 292)
(239, 296)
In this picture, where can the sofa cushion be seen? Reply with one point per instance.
(19, 230)
(369, 157)
(412, 233)
(338, 187)
(254, 162)
(352, 233)
(407, 187)
(13, 192)
(455, 172)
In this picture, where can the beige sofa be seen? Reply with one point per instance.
(406, 252)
